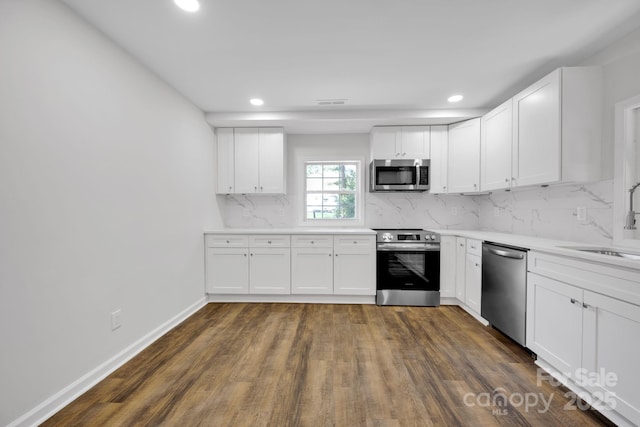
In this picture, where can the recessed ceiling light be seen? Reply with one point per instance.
(455, 98)
(256, 101)
(188, 5)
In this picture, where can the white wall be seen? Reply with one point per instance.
(397, 210)
(621, 64)
(106, 183)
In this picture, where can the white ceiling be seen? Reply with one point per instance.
(394, 61)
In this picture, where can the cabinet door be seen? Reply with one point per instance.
(354, 265)
(496, 140)
(271, 161)
(461, 264)
(473, 282)
(227, 271)
(537, 133)
(611, 346)
(270, 271)
(312, 271)
(439, 158)
(464, 157)
(448, 266)
(415, 142)
(224, 140)
(385, 142)
(554, 322)
(246, 176)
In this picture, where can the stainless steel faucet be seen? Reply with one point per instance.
(631, 215)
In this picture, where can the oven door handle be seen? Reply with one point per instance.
(411, 247)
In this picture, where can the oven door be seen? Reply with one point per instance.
(401, 267)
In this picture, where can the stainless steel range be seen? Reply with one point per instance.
(408, 267)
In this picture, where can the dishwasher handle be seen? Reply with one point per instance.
(506, 253)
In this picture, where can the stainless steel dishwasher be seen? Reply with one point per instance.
(504, 289)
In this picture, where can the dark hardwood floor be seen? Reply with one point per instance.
(327, 365)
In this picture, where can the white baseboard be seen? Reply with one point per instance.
(474, 314)
(310, 299)
(68, 394)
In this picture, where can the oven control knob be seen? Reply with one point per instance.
(433, 237)
(387, 237)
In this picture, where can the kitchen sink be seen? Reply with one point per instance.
(605, 251)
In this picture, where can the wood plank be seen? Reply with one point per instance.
(326, 365)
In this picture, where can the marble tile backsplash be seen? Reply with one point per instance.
(551, 212)
(541, 212)
(421, 210)
(393, 210)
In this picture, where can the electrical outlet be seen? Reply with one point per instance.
(116, 319)
(454, 211)
(581, 213)
(496, 211)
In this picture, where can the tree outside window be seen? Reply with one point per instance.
(331, 190)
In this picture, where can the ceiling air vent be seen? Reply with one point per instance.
(336, 101)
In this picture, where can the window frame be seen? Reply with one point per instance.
(358, 219)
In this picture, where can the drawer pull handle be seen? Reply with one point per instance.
(269, 241)
(329, 254)
(312, 242)
(245, 255)
(355, 242)
(573, 301)
(227, 241)
(585, 305)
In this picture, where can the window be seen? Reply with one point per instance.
(332, 190)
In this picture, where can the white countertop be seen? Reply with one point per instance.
(317, 230)
(557, 247)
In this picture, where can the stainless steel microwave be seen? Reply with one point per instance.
(399, 175)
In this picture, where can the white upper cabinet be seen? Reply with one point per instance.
(495, 142)
(247, 164)
(224, 138)
(400, 142)
(464, 157)
(251, 161)
(557, 128)
(439, 158)
(271, 161)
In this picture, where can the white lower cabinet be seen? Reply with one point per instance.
(473, 282)
(588, 339)
(473, 275)
(611, 345)
(240, 264)
(554, 322)
(270, 271)
(354, 265)
(448, 267)
(231, 267)
(284, 264)
(312, 264)
(461, 267)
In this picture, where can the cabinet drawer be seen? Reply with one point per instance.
(357, 242)
(474, 247)
(270, 241)
(312, 241)
(226, 241)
